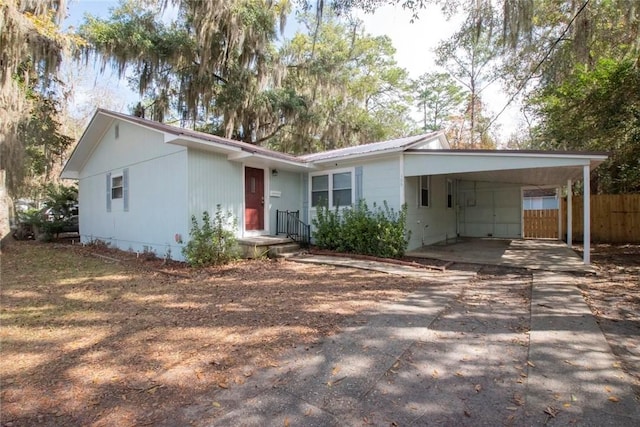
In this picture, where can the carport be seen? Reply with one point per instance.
(501, 168)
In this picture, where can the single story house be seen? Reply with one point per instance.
(141, 181)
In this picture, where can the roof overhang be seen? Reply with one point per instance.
(234, 150)
(432, 141)
(514, 167)
(241, 153)
(89, 140)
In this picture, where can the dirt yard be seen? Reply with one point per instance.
(98, 337)
(90, 341)
(614, 298)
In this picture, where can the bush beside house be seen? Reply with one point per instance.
(378, 232)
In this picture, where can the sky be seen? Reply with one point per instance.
(414, 43)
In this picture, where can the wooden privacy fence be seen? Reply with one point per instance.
(541, 224)
(615, 218)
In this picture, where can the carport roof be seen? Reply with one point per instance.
(524, 167)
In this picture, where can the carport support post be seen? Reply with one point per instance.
(587, 214)
(569, 214)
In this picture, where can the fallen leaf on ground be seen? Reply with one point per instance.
(613, 399)
(552, 412)
(518, 399)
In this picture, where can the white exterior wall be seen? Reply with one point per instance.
(432, 224)
(212, 181)
(156, 192)
(381, 181)
(285, 193)
(489, 209)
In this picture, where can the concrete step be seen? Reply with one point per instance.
(283, 249)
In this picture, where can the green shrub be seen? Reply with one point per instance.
(214, 242)
(378, 232)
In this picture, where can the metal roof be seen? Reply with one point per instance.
(174, 130)
(391, 145)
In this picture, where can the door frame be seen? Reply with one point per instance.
(267, 219)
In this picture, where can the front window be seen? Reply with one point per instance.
(333, 189)
(319, 190)
(342, 189)
(116, 187)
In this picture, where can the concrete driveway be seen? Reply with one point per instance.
(548, 255)
(473, 347)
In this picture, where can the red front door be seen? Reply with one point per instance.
(253, 199)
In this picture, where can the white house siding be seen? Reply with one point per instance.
(381, 181)
(432, 224)
(489, 209)
(156, 192)
(285, 193)
(212, 181)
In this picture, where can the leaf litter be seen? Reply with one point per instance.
(90, 341)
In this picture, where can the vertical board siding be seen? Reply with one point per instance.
(380, 182)
(615, 218)
(285, 194)
(212, 181)
(433, 224)
(152, 210)
(541, 224)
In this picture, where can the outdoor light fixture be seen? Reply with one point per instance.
(274, 172)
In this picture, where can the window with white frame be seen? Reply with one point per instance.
(116, 187)
(425, 191)
(319, 190)
(332, 189)
(449, 193)
(341, 189)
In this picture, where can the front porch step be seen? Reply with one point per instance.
(283, 250)
(271, 246)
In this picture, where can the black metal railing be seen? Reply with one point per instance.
(289, 223)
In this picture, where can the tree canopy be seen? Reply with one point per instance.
(331, 86)
(32, 47)
(597, 110)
